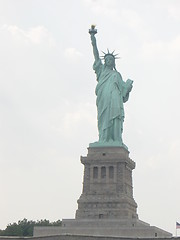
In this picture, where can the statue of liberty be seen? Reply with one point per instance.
(111, 92)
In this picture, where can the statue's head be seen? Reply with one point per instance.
(109, 59)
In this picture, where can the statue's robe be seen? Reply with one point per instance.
(111, 93)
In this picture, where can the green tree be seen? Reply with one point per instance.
(25, 227)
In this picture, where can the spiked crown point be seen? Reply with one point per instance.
(109, 54)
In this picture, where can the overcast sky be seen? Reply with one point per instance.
(47, 103)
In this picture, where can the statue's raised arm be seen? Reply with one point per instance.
(92, 32)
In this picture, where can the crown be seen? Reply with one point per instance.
(109, 54)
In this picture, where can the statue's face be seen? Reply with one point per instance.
(109, 61)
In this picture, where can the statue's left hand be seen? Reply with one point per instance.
(129, 85)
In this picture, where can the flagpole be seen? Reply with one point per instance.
(176, 228)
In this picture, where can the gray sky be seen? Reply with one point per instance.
(47, 103)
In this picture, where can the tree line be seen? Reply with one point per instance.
(25, 227)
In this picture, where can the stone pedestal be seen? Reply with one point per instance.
(106, 206)
(107, 186)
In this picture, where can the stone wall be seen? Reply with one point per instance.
(80, 237)
(107, 185)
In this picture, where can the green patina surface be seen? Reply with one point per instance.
(111, 92)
